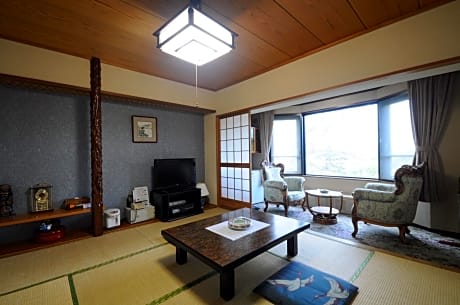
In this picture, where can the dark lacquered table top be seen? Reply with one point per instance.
(222, 252)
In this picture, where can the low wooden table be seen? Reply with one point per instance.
(223, 254)
(324, 214)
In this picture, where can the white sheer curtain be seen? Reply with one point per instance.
(430, 100)
(266, 129)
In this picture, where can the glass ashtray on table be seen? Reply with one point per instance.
(239, 223)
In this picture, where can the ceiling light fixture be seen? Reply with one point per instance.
(195, 37)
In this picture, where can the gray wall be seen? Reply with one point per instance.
(45, 137)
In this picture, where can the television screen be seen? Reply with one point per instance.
(174, 174)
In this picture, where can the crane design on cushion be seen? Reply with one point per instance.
(293, 285)
(336, 292)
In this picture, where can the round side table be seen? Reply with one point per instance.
(324, 214)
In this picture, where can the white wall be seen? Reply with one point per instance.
(27, 61)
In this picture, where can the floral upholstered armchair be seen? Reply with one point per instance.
(281, 190)
(389, 204)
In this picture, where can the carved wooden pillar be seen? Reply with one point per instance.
(96, 147)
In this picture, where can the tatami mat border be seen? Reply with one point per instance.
(73, 291)
(362, 266)
(189, 285)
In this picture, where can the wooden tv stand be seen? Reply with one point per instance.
(175, 204)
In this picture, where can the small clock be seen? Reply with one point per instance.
(40, 197)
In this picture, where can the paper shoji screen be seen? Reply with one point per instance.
(235, 157)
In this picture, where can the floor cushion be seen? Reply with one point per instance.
(297, 283)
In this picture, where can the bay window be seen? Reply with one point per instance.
(369, 140)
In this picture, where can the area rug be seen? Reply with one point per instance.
(420, 244)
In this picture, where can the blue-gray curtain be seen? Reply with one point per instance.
(430, 100)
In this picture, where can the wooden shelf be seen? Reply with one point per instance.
(40, 216)
(30, 245)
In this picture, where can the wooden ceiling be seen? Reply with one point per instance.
(271, 33)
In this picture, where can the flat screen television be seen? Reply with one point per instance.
(173, 174)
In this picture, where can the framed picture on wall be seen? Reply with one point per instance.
(144, 129)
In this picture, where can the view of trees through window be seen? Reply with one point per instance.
(342, 142)
(366, 141)
(286, 144)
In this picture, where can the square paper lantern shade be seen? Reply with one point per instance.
(194, 37)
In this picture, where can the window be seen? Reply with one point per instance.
(342, 142)
(366, 141)
(286, 145)
(396, 140)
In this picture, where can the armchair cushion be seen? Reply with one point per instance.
(374, 195)
(381, 187)
(295, 183)
(277, 184)
(295, 196)
(273, 173)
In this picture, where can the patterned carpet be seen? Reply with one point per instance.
(420, 244)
